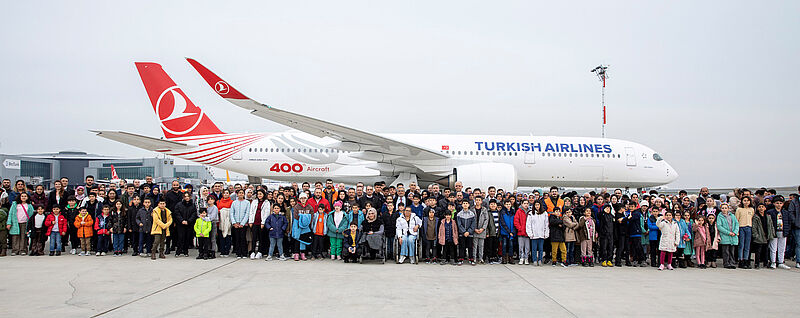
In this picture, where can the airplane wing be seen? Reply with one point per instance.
(144, 142)
(360, 140)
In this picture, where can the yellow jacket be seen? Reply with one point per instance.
(161, 226)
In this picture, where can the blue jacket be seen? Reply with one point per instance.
(655, 233)
(301, 226)
(361, 217)
(685, 230)
(418, 210)
(507, 222)
(634, 228)
(240, 212)
(278, 223)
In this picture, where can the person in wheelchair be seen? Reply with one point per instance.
(352, 248)
(373, 238)
(407, 232)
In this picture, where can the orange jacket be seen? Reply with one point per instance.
(85, 229)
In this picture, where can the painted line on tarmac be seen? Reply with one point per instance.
(541, 291)
(165, 288)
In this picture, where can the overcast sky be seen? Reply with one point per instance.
(711, 85)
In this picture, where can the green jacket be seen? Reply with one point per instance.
(725, 230)
(333, 231)
(12, 218)
(759, 236)
(202, 228)
(3, 220)
(645, 229)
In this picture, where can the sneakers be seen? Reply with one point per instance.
(253, 255)
(72, 251)
(333, 257)
(402, 259)
(797, 265)
(670, 267)
(303, 256)
(269, 258)
(526, 261)
(783, 266)
(563, 265)
(296, 257)
(522, 261)
(660, 267)
(98, 254)
(282, 258)
(81, 254)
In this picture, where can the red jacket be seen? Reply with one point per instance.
(520, 219)
(51, 219)
(314, 203)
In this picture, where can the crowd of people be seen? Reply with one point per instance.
(742, 229)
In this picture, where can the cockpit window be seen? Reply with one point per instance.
(657, 157)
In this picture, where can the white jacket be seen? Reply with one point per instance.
(403, 226)
(670, 235)
(265, 211)
(537, 226)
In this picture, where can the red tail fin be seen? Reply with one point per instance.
(178, 115)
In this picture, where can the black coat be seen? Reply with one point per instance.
(390, 219)
(184, 211)
(556, 228)
(172, 198)
(605, 225)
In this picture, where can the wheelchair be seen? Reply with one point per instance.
(365, 250)
(417, 250)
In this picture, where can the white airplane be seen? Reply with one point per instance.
(316, 149)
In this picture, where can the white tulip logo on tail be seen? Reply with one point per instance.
(222, 88)
(177, 116)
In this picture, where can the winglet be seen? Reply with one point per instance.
(220, 86)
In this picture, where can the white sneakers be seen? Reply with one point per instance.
(783, 266)
(527, 262)
(72, 251)
(402, 259)
(282, 258)
(253, 255)
(269, 258)
(521, 261)
(772, 266)
(259, 255)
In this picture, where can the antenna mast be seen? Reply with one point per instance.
(602, 74)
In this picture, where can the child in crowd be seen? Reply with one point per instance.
(701, 240)
(213, 215)
(428, 234)
(670, 238)
(524, 239)
(492, 239)
(570, 237)
(448, 238)
(319, 229)
(728, 231)
(653, 235)
(713, 238)
(352, 238)
(557, 237)
(355, 215)
(466, 221)
(587, 234)
(56, 227)
(144, 220)
(685, 241)
(84, 225)
(37, 229)
(763, 232)
(202, 230)
(507, 231)
(336, 223)
(162, 219)
(777, 245)
(3, 228)
(119, 227)
(537, 229)
(276, 224)
(605, 231)
(70, 212)
(481, 227)
(103, 228)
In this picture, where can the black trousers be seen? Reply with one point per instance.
(606, 249)
(239, 241)
(654, 253)
(204, 246)
(428, 249)
(448, 251)
(490, 247)
(465, 248)
(622, 249)
(317, 245)
(637, 253)
(182, 234)
(132, 239)
(74, 240)
(762, 254)
(259, 240)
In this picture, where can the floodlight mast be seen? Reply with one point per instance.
(602, 74)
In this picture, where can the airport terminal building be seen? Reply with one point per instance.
(44, 168)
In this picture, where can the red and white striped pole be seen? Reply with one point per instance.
(602, 74)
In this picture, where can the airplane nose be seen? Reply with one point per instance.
(671, 174)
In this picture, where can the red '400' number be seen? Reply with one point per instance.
(285, 167)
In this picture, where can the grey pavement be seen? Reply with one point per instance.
(107, 286)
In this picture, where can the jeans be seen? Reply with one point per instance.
(55, 241)
(777, 248)
(570, 252)
(119, 241)
(102, 243)
(745, 236)
(409, 246)
(145, 241)
(225, 245)
(508, 245)
(273, 241)
(538, 249)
